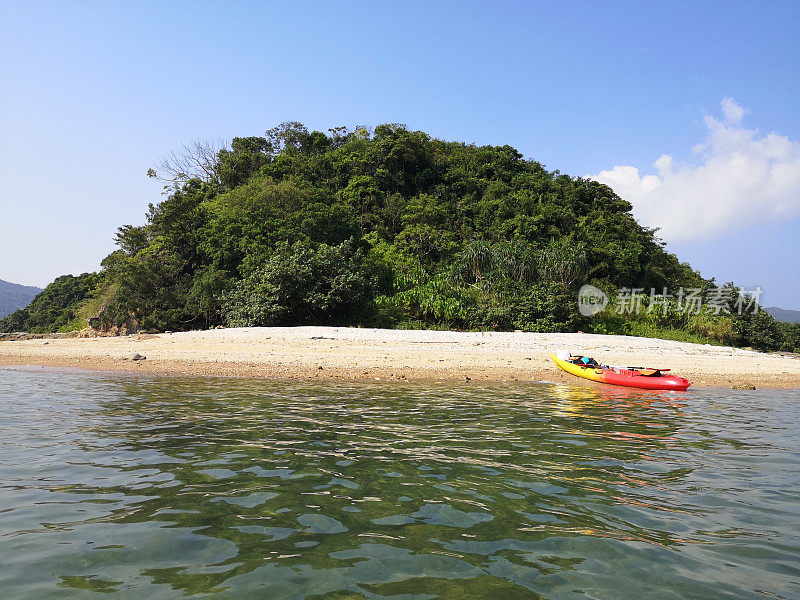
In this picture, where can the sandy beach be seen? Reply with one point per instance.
(339, 353)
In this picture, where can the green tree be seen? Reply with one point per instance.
(299, 226)
(301, 285)
(54, 307)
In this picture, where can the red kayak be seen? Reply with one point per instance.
(646, 379)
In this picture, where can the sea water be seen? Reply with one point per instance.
(146, 487)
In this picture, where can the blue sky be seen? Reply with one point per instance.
(92, 94)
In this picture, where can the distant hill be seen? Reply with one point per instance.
(14, 296)
(54, 307)
(782, 314)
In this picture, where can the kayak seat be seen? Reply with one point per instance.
(650, 372)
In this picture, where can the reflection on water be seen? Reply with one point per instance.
(167, 487)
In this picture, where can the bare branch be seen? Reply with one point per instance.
(199, 160)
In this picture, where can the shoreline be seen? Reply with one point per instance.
(353, 354)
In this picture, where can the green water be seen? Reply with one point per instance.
(163, 488)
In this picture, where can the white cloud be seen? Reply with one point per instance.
(741, 178)
(732, 111)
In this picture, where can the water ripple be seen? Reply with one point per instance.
(167, 487)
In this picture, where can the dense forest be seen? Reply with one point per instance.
(387, 228)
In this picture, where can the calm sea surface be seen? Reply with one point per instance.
(170, 487)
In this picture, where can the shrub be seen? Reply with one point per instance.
(760, 331)
(300, 285)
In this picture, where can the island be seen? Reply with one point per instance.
(386, 253)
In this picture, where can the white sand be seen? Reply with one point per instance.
(350, 353)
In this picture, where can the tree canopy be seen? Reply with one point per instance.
(387, 227)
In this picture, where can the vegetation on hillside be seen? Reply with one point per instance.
(54, 309)
(663, 318)
(382, 228)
